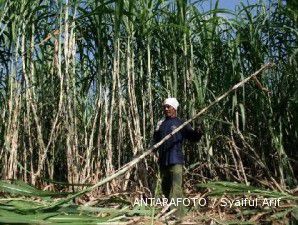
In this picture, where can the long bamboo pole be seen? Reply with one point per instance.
(132, 163)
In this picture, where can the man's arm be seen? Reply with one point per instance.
(156, 136)
(192, 134)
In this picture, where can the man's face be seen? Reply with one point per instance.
(169, 111)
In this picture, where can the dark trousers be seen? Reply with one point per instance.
(171, 185)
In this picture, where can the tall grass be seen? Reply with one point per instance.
(81, 84)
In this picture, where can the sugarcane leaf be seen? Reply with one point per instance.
(223, 187)
(20, 204)
(281, 215)
(21, 188)
(295, 213)
(242, 111)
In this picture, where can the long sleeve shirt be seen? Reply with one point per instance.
(170, 152)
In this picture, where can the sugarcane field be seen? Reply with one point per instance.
(149, 112)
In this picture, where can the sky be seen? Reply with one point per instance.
(225, 4)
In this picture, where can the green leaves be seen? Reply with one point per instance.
(22, 210)
(23, 189)
(233, 192)
(11, 217)
(220, 188)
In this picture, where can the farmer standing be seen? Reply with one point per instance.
(171, 158)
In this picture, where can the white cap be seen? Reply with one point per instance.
(172, 102)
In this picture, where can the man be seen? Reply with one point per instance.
(171, 158)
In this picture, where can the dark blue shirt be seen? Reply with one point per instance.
(170, 152)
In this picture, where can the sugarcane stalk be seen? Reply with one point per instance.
(136, 160)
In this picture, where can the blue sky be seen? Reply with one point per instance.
(226, 4)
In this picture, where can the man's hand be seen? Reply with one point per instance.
(199, 129)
